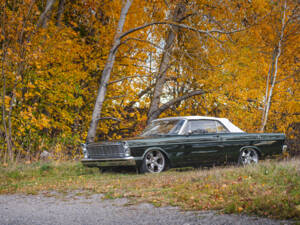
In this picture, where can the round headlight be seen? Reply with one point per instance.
(126, 149)
(84, 150)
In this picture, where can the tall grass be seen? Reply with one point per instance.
(270, 189)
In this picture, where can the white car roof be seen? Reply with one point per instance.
(230, 126)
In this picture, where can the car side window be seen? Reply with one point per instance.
(201, 127)
(177, 128)
(221, 128)
(204, 127)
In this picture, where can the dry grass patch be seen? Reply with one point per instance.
(270, 189)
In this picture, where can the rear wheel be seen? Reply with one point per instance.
(248, 156)
(154, 162)
(102, 170)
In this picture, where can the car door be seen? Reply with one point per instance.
(203, 145)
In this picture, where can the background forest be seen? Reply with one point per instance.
(144, 59)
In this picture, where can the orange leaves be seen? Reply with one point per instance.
(240, 209)
(54, 72)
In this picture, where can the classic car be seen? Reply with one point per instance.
(184, 141)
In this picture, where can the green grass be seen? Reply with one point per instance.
(269, 189)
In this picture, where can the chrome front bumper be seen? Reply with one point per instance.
(127, 161)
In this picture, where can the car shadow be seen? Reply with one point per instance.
(123, 170)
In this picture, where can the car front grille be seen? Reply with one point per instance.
(106, 150)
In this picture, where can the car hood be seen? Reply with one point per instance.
(139, 140)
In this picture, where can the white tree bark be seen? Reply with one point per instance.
(44, 16)
(278, 53)
(178, 13)
(105, 76)
(270, 72)
(163, 66)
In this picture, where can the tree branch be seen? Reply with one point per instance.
(141, 40)
(43, 18)
(176, 100)
(141, 94)
(109, 118)
(124, 78)
(180, 26)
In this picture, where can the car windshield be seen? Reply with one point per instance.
(163, 127)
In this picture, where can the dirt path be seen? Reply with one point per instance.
(72, 209)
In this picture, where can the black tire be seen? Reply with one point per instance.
(103, 169)
(154, 162)
(248, 156)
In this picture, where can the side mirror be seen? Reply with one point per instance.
(190, 132)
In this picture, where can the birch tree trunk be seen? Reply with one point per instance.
(106, 74)
(60, 12)
(178, 14)
(44, 16)
(278, 50)
(270, 73)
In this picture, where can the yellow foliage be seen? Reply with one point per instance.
(52, 74)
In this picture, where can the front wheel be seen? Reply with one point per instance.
(248, 156)
(154, 162)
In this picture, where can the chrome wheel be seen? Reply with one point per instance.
(248, 156)
(154, 162)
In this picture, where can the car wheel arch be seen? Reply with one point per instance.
(252, 147)
(166, 155)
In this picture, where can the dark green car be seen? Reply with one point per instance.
(184, 141)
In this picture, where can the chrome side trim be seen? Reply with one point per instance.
(203, 152)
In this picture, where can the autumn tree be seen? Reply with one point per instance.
(170, 58)
(200, 49)
(47, 74)
(106, 73)
(285, 26)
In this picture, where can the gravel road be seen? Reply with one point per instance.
(73, 209)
